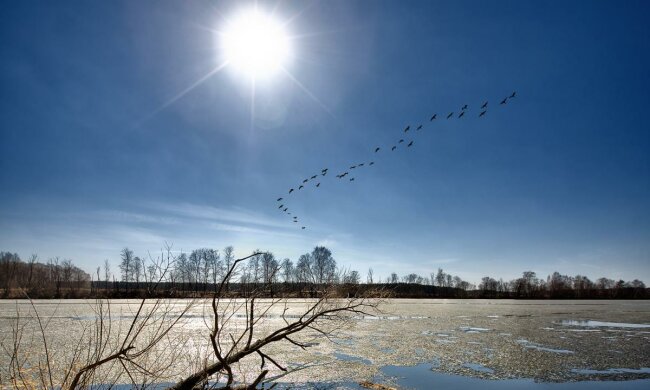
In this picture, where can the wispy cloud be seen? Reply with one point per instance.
(235, 215)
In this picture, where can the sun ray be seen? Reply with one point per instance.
(296, 37)
(252, 104)
(184, 92)
(297, 14)
(307, 91)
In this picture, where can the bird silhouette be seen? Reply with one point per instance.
(303, 228)
(318, 185)
(410, 144)
(377, 149)
(464, 107)
(291, 190)
(352, 179)
(513, 94)
(324, 173)
(407, 128)
(305, 181)
(301, 187)
(371, 163)
(504, 101)
(450, 115)
(400, 141)
(295, 221)
(279, 199)
(433, 117)
(482, 113)
(484, 104)
(352, 167)
(419, 127)
(360, 165)
(324, 169)
(393, 148)
(461, 114)
(313, 177)
(285, 209)
(280, 206)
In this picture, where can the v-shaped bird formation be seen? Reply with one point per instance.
(377, 150)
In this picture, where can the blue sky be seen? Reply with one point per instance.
(97, 154)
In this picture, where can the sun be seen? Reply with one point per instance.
(255, 44)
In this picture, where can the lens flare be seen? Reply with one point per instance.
(255, 44)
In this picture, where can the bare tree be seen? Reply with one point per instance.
(230, 345)
(107, 271)
(352, 277)
(323, 265)
(102, 347)
(440, 278)
(288, 270)
(107, 353)
(303, 269)
(126, 266)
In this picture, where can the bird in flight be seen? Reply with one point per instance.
(324, 173)
(295, 221)
(371, 163)
(303, 228)
(513, 94)
(407, 128)
(504, 101)
(461, 114)
(301, 187)
(285, 209)
(393, 148)
(464, 107)
(313, 177)
(360, 165)
(482, 113)
(410, 144)
(400, 141)
(352, 179)
(450, 115)
(318, 185)
(291, 190)
(281, 206)
(484, 104)
(305, 181)
(433, 117)
(352, 167)
(279, 199)
(419, 127)
(377, 149)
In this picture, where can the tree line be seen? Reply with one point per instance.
(56, 278)
(199, 272)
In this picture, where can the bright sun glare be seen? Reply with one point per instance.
(255, 44)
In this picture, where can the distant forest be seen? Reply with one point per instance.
(198, 274)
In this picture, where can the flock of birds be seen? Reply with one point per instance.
(316, 178)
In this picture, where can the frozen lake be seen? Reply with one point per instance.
(419, 343)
